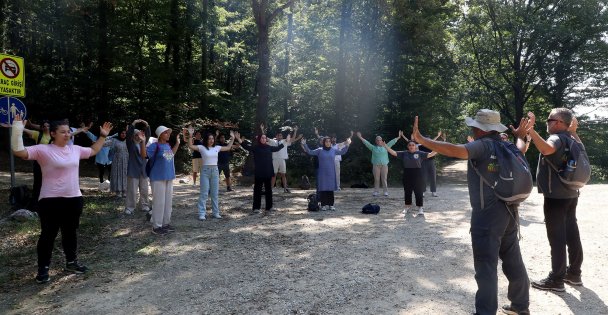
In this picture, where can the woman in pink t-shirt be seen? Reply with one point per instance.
(60, 202)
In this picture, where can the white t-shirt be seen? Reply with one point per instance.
(281, 154)
(209, 155)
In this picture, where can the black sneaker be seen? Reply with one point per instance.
(149, 216)
(549, 284)
(229, 189)
(75, 267)
(159, 231)
(169, 228)
(43, 275)
(573, 279)
(508, 309)
(286, 190)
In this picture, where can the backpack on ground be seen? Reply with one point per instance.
(313, 202)
(304, 182)
(513, 184)
(575, 171)
(371, 208)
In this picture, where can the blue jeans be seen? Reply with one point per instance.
(210, 182)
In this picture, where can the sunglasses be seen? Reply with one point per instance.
(551, 119)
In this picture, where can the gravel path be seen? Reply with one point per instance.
(296, 262)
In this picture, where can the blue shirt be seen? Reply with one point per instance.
(163, 167)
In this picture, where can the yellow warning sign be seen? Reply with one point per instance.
(12, 75)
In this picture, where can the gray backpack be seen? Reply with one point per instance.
(513, 184)
(575, 170)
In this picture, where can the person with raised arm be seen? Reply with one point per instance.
(326, 175)
(262, 154)
(413, 178)
(494, 223)
(210, 176)
(60, 202)
(379, 161)
(137, 180)
(162, 173)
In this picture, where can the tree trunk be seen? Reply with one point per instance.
(174, 40)
(263, 76)
(340, 92)
(204, 104)
(103, 62)
(285, 70)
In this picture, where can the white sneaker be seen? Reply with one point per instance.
(128, 211)
(217, 216)
(406, 209)
(256, 211)
(435, 194)
(325, 208)
(386, 193)
(202, 217)
(332, 208)
(375, 194)
(420, 211)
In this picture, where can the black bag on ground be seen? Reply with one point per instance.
(371, 208)
(19, 197)
(313, 202)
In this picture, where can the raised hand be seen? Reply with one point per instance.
(416, 136)
(573, 125)
(104, 130)
(400, 133)
(358, 134)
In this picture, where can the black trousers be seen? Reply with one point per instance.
(257, 192)
(101, 168)
(413, 182)
(58, 214)
(563, 233)
(326, 198)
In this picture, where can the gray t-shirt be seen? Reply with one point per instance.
(547, 179)
(481, 154)
(412, 160)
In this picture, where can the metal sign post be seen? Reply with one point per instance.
(14, 107)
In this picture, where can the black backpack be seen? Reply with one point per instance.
(371, 208)
(575, 171)
(513, 184)
(313, 202)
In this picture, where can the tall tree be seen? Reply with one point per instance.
(340, 93)
(264, 17)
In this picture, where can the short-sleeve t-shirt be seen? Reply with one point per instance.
(547, 179)
(412, 160)
(59, 167)
(209, 155)
(196, 154)
(281, 154)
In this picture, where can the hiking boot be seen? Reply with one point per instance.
(573, 279)
(75, 267)
(286, 190)
(549, 284)
(169, 228)
(43, 275)
(159, 231)
(508, 309)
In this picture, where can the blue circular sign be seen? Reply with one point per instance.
(9, 108)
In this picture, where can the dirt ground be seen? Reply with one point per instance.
(296, 262)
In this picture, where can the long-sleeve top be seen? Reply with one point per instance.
(262, 156)
(102, 157)
(327, 168)
(137, 164)
(379, 154)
